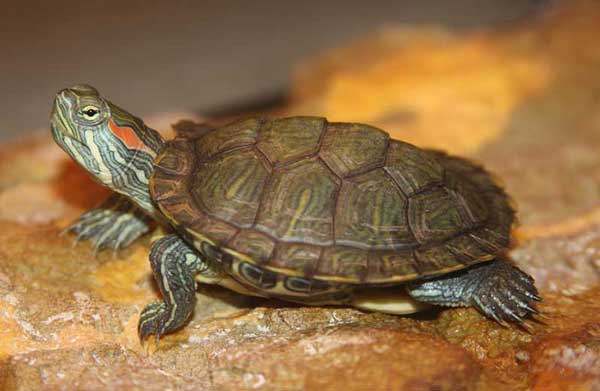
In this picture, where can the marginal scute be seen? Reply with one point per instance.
(168, 186)
(466, 249)
(350, 149)
(391, 266)
(254, 244)
(343, 264)
(371, 213)
(436, 260)
(178, 164)
(412, 168)
(434, 216)
(230, 186)
(296, 256)
(204, 227)
(179, 210)
(494, 240)
(288, 139)
(237, 134)
(299, 202)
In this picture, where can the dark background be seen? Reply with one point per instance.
(160, 56)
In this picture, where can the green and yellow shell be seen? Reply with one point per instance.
(340, 203)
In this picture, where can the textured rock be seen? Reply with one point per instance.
(523, 101)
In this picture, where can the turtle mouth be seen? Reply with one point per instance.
(61, 122)
(65, 139)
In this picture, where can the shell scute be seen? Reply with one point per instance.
(168, 186)
(211, 230)
(434, 215)
(287, 139)
(371, 213)
(296, 256)
(254, 244)
(180, 209)
(169, 164)
(351, 149)
(343, 264)
(387, 266)
(230, 186)
(466, 249)
(493, 240)
(299, 204)
(412, 168)
(237, 134)
(436, 260)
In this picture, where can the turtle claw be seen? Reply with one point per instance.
(531, 309)
(497, 289)
(516, 318)
(114, 225)
(157, 319)
(507, 294)
(152, 321)
(535, 297)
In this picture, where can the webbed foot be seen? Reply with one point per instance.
(174, 265)
(497, 289)
(158, 319)
(505, 293)
(115, 224)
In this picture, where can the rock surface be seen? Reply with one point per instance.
(524, 101)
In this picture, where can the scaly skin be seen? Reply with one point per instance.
(497, 289)
(118, 150)
(174, 265)
(115, 147)
(115, 224)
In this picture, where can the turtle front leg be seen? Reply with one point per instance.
(115, 224)
(174, 266)
(497, 289)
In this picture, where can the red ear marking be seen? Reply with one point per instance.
(127, 135)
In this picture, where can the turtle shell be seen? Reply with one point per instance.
(339, 202)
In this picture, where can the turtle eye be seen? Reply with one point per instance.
(90, 113)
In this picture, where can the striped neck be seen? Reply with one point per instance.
(114, 146)
(125, 165)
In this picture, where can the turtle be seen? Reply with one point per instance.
(298, 209)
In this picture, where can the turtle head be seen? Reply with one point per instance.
(114, 146)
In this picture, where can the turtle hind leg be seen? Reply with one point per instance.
(497, 289)
(174, 266)
(115, 224)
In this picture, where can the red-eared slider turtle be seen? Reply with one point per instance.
(298, 209)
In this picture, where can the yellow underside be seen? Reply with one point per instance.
(393, 300)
